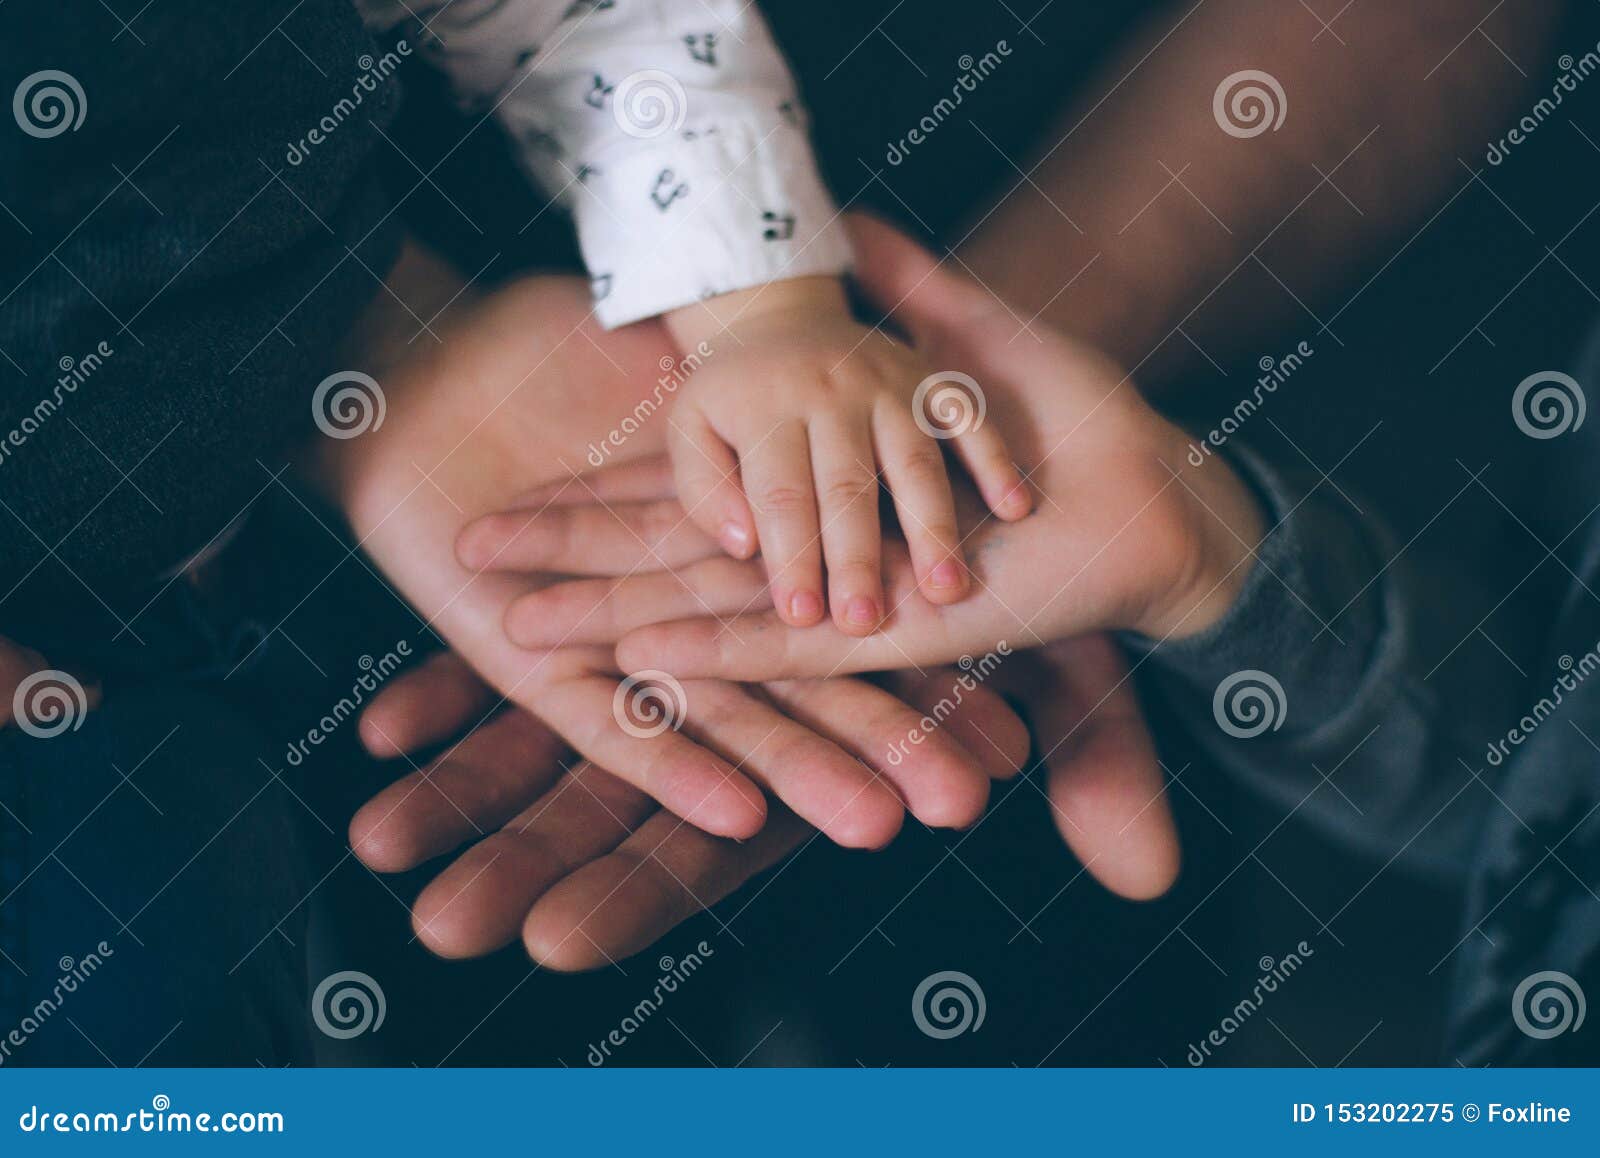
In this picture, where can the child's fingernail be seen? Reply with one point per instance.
(735, 539)
(804, 606)
(946, 574)
(862, 611)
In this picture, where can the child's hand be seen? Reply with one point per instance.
(804, 406)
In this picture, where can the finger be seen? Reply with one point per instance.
(706, 474)
(631, 730)
(48, 697)
(467, 792)
(819, 781)
(647, 480)
(900, 277)
(982, 451)
(660, 876)
(1105, 785)
(602, 611)
(479, 902)
(424, 705)
(778, 481)
(920, 486)
(852, 540)
(982, 722)
(942, 784)
(585, 540)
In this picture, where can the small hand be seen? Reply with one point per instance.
(791, 410)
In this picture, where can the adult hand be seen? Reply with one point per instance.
(520, 387)
(587, 870)
(581, 864)
(1129, 533)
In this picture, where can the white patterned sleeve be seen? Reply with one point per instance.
(671, 129)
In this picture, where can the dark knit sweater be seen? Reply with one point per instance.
(171, 287)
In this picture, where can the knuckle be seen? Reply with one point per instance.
(850, 490)
(784, 500)
(923, 465)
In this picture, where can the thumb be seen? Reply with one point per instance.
(1104, 782)
(900, 277)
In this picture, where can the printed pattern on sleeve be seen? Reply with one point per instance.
(670, 129)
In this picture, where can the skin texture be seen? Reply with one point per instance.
(792, 413)
(1129, 535)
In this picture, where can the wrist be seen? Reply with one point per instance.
(747, 312)
(1224, 523)
(419, 287)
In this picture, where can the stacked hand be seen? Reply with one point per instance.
(469, 500)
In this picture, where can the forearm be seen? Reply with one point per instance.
(1174, 222)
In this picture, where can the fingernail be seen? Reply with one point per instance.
(862, 611)
(946, 574)
(735, 539)
(804, 606)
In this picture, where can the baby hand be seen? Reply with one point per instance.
(779, 436)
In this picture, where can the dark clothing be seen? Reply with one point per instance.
(171, 230)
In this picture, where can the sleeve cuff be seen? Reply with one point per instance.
(1313, 614)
